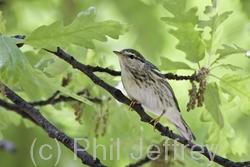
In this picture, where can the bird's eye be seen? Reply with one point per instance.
(131, 56)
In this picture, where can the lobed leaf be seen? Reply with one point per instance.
(214, 42)
(230, 67)
(212, 10)
(11, 60)
(214, 23)
(190, 40)
(236, 85)
(80, 32)
(227, 51)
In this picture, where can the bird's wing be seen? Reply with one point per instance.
(160, 76)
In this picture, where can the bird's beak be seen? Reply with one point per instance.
(118, 54)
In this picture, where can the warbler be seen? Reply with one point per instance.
(146, 85)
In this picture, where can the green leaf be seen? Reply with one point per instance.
(190, 41)
(56, 67)
(228, 50)
(236, 85)
(17, 40)
(11, 61)
(167, 64)
(230, 67)
(2, 24)
(43, 64)
(33, 57)
(212, 10)
(212, 103)
(30, 82)
(214, 23)
(218, 138)
(216, 30)
(54, 83)
(80, 32)
(220, 129)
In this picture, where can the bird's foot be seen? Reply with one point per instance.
(133, 102)
(156, 120)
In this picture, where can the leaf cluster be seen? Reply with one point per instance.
(205, 49)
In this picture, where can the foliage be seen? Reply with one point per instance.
(11, 60)
(194, 44)
(190, 40)
(80, 32)
(204, 39)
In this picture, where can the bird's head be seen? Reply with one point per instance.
(130, 58)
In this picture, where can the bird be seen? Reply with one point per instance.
(145, 84)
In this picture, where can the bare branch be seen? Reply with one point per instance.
(52, 130)
(15, 108)
(168, 75)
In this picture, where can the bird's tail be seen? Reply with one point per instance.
(181, 125)
(185, 130)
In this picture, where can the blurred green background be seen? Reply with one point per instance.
(148, 35)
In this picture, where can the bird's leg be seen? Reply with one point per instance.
(133, 102)
(156, 120)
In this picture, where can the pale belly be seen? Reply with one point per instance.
(148, 98)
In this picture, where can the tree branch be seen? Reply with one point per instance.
(168, 75)
(107, 70)
(52, 131)
(117, 94)
(15, 108)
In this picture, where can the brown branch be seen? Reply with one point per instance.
(15, 108)
(52, 131)
(107, 70)
(168, 75)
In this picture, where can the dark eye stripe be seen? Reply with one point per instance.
(138, 58)
(131, 56)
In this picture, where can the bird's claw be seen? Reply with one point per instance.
(155, 120)
(133, 102)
